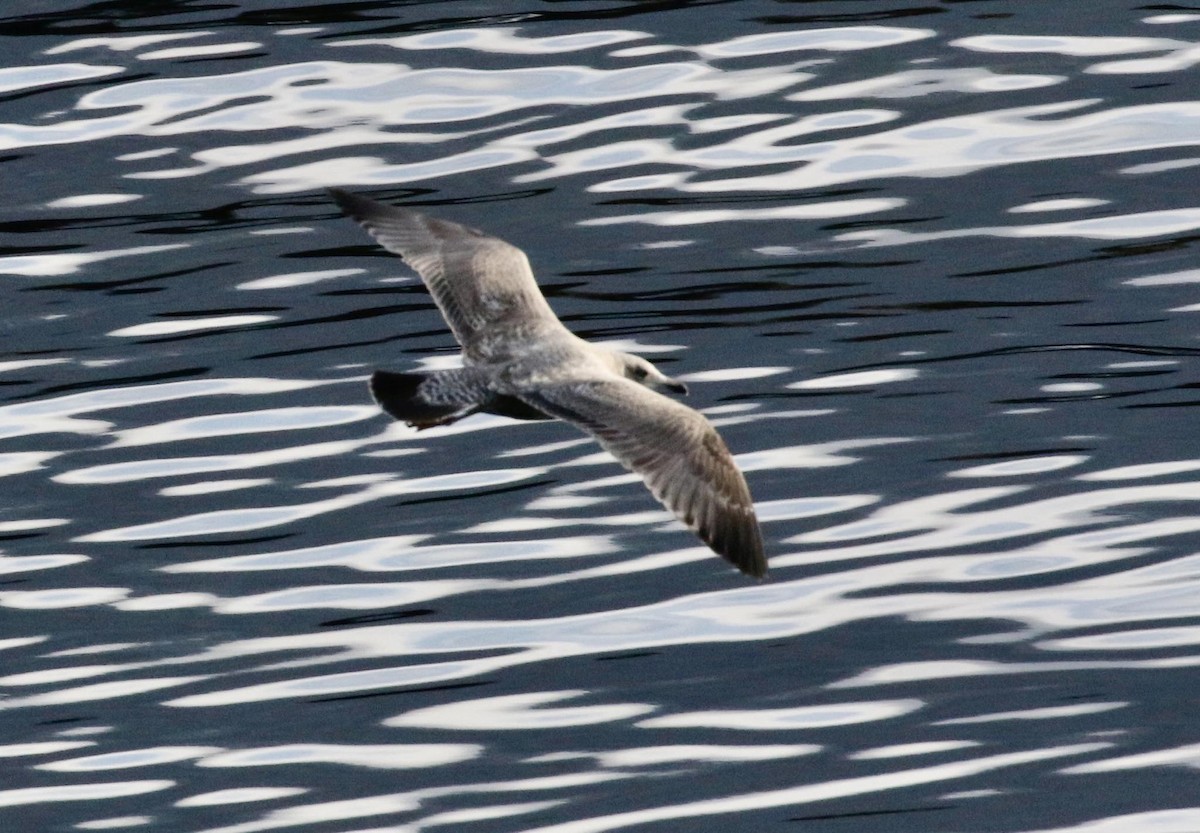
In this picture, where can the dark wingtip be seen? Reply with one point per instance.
(752, 563)
(741, 545)
(758, 560)
(757, 566)
(398, 394)
(352, 204)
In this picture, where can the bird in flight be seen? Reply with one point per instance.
(520, 361)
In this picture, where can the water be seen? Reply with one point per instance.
(931, 270)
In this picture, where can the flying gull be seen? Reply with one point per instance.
(520, 361)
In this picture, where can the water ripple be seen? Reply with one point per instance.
(895, 261)
(96, 791)
(517, 711)
(808, 793)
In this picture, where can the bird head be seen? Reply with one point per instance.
(644, 373)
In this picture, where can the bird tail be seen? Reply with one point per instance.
(420, 399)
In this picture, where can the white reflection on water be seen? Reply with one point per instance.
(963, 554)
(921, 82)
(20, 642)
(47, 265)
(263, 517)
(1182, 756)
(80, 792)
(121, 43)
(177, 466)
(62, 598)
(372, 756)
(1185, 820)
(343, 596)
(126, 397)
(1143, 470)
(190, 325)
(401, 553)
(907, 672)
(1181, 55)
(862, 378)
(91, 200)
(516, 711)
(952, 521)
(831, 39)
(733, 615)
(1066, 45)
(1066, 204)
(904, 750)
(948, 526)
(129, 759)
(805, 211)
(206, 51)
(18, 750)
(324, 95)
(777, 610)
(27, 563)
(225, 520)
(916, 515)
(342, 104)
(24, 78)
(99, 691)
(293, 279)
(245, 422)
(963, 143)
(407, 802)
(20, 462)
(682, 753)
(801, 717)
(1046, 713)
(214, 486)
(1140, 639)
(1116, 227)
(731, 374)
(807, 793)
(1017, 468)
(243, 795)
(810, 507)
(501, 40)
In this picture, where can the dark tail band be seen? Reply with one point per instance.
(399, 394)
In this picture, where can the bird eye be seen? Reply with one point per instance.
(640, 372)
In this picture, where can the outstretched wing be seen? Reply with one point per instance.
(675, 450)
(477, 280)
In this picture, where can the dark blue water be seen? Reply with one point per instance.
(932, 270)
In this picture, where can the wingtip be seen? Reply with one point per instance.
(752, 564)
(740, 543)
(759, 570)
(371, 214)
(351, 204)
(751, 560)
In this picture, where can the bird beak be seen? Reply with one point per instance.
(674, 385)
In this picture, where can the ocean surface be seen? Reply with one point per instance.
(932, 269)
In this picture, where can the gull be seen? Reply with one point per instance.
(520, 361)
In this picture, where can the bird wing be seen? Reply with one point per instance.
(477, 280)
(675, 450)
